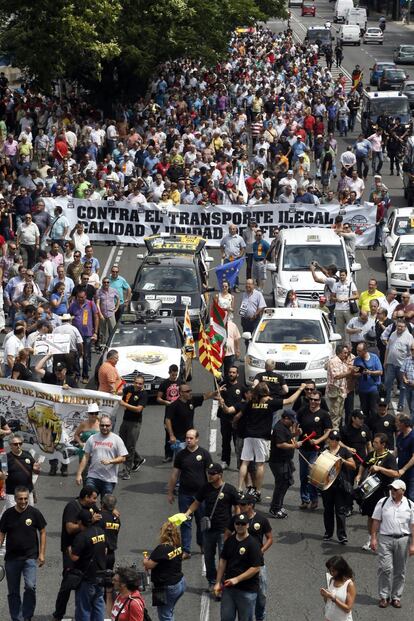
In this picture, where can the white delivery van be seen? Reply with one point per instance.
(357, 17)
(296, 250)
(341, 9)
(349, 34)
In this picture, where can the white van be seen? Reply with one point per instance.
(349, 34)
(357, 17)
(294, 254)
(341, 9)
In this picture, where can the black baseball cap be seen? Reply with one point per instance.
(247, 499)
(357, 414)
(382, 401)
(215, 469)
(85, 517)
(241, 518)
(60, 366)
(288, 413)
(334, 435)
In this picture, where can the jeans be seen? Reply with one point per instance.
(343, 127)
(362, 166)
(234, 602)
(102, 487)
(212, 540)
(408, 479)
(14, 571)
(393, 372)
(227, 434)
(260, 612)
(89, 602)
(377, 161)
(184, 501)
(129, 433)
(308, 492)
(409, 393)
(174, 592)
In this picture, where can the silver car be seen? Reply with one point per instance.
(409, 91)
(404, 54)
(373, 35)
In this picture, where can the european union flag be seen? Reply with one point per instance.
(229, 272)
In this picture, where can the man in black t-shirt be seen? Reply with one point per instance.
(303, 400)
(180, 416)
(168, 392)
(190, 467)
(311, 419)
(232, 392)
(282, 447)
(383, 422)
(261, 530)
(24, 528)
(134, 399)
(110, 524)
(275, 381)
(239, 566)
(88, 552)
(219, 498)
(20, 469)
(70, 528)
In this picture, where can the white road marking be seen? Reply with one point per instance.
(109, 261)
(214, 409)
(205, 607)
(212, 446)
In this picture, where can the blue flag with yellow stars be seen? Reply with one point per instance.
(229, 272)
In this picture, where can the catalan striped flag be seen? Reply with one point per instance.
(189, 346)
(208, 355)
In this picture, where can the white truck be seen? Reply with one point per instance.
(357, 17)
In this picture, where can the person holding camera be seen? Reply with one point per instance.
(328, 280)
(88, 553)
(370, 371)
(128, 605)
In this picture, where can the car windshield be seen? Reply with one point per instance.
(405, 253)
(374, 30)
(392, 106)
(291, 331)
(156, 335)
(409, 87)
(322, 34)
(394, 73)
(407, 49)
(404, 226)
(167, 278)
(299, 257)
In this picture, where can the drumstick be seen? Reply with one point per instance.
(309, 437)
(361, 461)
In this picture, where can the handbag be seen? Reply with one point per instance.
(159, 596)
(205, 522)
(353, 306)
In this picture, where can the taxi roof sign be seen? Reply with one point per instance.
(313, 238)
(174, 243)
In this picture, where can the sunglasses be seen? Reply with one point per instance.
(103, 425)
(186, 391)
(16, 443)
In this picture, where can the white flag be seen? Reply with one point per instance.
(241, 185)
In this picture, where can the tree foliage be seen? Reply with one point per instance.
(82, 39)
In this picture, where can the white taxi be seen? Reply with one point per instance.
(400, 222)
(400, 264)
(300, 340)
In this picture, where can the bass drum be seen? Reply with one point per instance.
(325, 470)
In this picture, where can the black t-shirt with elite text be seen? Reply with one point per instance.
(240, 556)
(71, 514)
(280, 434)
(308, 421)
(274, 382)
(3, 424)
(20, 471)
(110, 525)
(233, 395)
(259, 526)
(384, 424)
(90, 546)
(181, 415)
(259, 418)
(356, 438)
(169, 561)
(192, 466)
(134, 397)
(227, 498)
(21, 529)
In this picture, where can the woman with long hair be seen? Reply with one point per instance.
(59, 299)
(166, 575)
(339, 597)
(128, 605)
(225, 299)
(21, 366)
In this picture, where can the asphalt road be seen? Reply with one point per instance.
(296, 562)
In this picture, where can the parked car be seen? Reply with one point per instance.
(392, 80)
(408, 90)
(400, 264)
(404, 54)
(378, 69)
(373, 35)
(308, 8)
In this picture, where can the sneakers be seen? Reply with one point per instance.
(283, 510)
(166, 460)
(224, 465)
(125, 476)
(367, 546)
(343, 540)
(327, 537)
(138, 465)
(279, 515)
(304, 505)
(186, 556)
(314, 505)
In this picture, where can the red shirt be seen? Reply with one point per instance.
(61, 150)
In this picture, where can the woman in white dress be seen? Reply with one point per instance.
(339, 597)
(225, 299)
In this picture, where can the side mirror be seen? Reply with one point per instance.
(271, 267)
(388, 255)
(247, 336)
(385, 229)
(140, 256)
(355, 267)
(335, 337)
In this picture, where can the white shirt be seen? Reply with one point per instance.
(389, 306)
(343, 291)
(395, 519)
(28, 233)
(81, 241)
(12, 347)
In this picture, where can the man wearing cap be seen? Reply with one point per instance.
(392, 537)
(219, 499)
(238, 572)
(356, 437)
(405, 452)
(282, 447)
(260, 529)
(190, 467)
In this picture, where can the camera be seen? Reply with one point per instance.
(104, 577)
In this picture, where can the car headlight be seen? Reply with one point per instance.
(255, 362)
(319, 364)
(398, 275)
(281, 291)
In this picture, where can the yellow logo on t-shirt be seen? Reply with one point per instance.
(199, 457)
(242, 551)
(28, 522)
